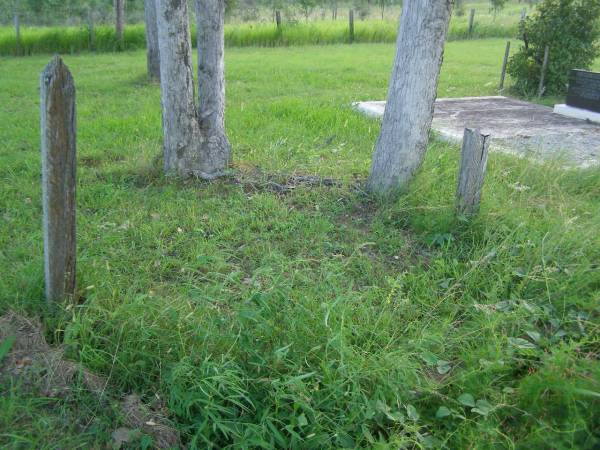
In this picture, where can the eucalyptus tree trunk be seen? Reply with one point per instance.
(402, 143)
(192, 146)
(210, 16)
(120, 22)
(152, 53)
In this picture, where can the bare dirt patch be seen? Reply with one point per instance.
(42, 368)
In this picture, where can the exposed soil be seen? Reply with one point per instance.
(42, 368)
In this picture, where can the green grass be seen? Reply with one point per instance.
(315, 319)
(36, 40)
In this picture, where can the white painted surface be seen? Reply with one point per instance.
(577, 113)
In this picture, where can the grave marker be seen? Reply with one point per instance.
(57, 104)
(583, 96)
(473, 162)
(584, 90)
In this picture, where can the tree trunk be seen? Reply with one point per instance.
(192, 146)
(152, 53)
(210, 20)
(402, 143)
(210, 15)
(120, 22)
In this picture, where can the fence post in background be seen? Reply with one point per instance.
(541, 87)
(473, 162)
(57, 108)
(504, 63)
(17, 23)
(351, 25)
(471, 22)
(120, 23)
(91, 30)
(278, 19)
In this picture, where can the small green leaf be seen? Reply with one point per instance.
(429, 358)
(412, 413)
(534, 335)
(442, 412)
(443, 367)
(482, 407)
(467, 400)
(302, 421)
(521, 343)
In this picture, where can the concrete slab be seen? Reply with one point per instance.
(517, 127)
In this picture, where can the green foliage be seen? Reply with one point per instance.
(570, 29)
(314, 318)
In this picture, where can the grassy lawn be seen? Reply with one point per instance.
(315, 317)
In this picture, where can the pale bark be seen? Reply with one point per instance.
(152, 52)
(210, 16)
(194, 145)
(57, 105)
(402, 143)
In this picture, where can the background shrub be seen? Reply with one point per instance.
(571, 29)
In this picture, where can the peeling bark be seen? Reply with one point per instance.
(402, 143)
(195, 143)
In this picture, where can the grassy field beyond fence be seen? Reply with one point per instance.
(68, 40)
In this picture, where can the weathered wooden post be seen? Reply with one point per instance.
(120, 23)
(91, 31)
(541, 87)
(17, 24)
(278, 19)
(473, 161)
(57, 102)
(504, 63)
(351, 25)
(471, 22)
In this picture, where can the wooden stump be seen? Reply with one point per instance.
(351, 25)
(57, 103)
(278, 19)
(473, 162)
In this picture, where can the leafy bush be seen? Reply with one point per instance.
(570, 29)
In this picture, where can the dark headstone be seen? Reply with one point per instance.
(584, 90)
